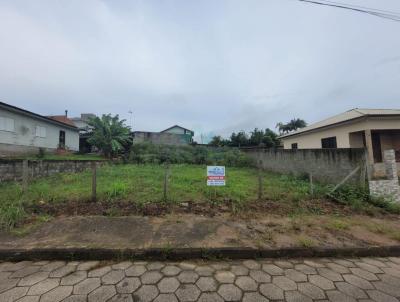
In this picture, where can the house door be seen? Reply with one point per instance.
(61, 141)
(376, 147)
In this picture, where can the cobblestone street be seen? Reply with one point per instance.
(361, 279)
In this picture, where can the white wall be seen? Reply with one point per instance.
(24, 133)
(175, 130)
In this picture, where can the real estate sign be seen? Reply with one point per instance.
(215, 175)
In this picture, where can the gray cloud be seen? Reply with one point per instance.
(213, 66)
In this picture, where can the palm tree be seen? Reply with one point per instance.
(109, 134)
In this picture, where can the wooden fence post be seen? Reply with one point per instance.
(25, 175)
(260, 181)
(94, 181)
(165, 189)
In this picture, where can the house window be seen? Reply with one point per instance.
(61, 141)
(40, 131)
(294, 146)
(7, 124)
(329, 143)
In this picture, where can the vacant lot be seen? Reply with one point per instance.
(133, 189)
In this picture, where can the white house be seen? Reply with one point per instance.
(24, 132)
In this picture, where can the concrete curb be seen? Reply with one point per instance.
(191, 253)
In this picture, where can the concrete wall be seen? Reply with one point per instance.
(23, 139)
(312, 139)
(12, 169)
(326, 165)
(160, 138)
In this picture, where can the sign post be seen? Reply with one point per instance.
(215, 178)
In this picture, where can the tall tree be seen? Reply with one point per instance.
(292, 125)
(109, 134)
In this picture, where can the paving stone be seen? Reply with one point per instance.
(74, 278)
(146, 293)
(271, 291)
(56, 294)
(272, 269)
(26, 271)
(230, 292)
(296, 275)
(344, 263)
(351, 290)
(311, 290)
(76, 298)
(52, 266)
(338, 268)
(128, 285)
(370, 268)
(150, 277)
(284, 283)
(321, 282)
(374, 262)
(221, 266)
(390, 280)
(392, 271)
(395, 259)
(5, 275)
(8, 284)
(206, 284)
(364, 274)
(259, 276)
(12, 267)
(87, 286)
(211, 297)
(155, 266)
(330, 274)
(43, 286)
(87, 265)
(388, 289)
(246, 283)
(168, 285)
(29, 299)
(284, 264)
(254, 297)
(13, 294)
(378, 296)
(225, 276)
(187, 292)
(314, 264)
(204, 270)
(135, 270)
(113, 277)
(171, 270)
(357, 281)
(239, 270)
(122, 265)
(337, 296)
(99, 272)
(251, 264)
(166, 298)
(187, 266)
(103, 293)
(63, 271)
(296, 296)
(188, 277)
(33, 279)
(305, 269)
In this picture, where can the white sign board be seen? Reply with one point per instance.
(215, 175)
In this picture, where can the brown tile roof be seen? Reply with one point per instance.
(62, 119)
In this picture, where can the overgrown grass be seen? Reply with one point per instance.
(142, 184)
(69, 156)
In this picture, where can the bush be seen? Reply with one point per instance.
(147, 153)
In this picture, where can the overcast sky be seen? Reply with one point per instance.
(211, 66)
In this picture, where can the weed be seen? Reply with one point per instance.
(306, 242)
(338, 225)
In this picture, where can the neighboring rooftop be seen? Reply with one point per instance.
(344, 117)
(35, 115)
(63, 119)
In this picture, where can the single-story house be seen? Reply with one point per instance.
(25, 132)
(175, 135)
(82, 123)
(374, 129)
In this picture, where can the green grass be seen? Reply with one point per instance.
(143, 184)
(62, 157)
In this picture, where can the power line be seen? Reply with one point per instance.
(374, 12)
(362, 7)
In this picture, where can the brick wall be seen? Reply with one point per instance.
(326, 165)
(12, 169)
